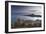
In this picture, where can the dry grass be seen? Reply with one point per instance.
(26, 24)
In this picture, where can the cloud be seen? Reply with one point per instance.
(24, 10)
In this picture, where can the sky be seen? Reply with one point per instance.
(19, 11)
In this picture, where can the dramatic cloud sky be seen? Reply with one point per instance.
(24, 10)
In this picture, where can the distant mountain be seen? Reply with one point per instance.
(32, 15)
